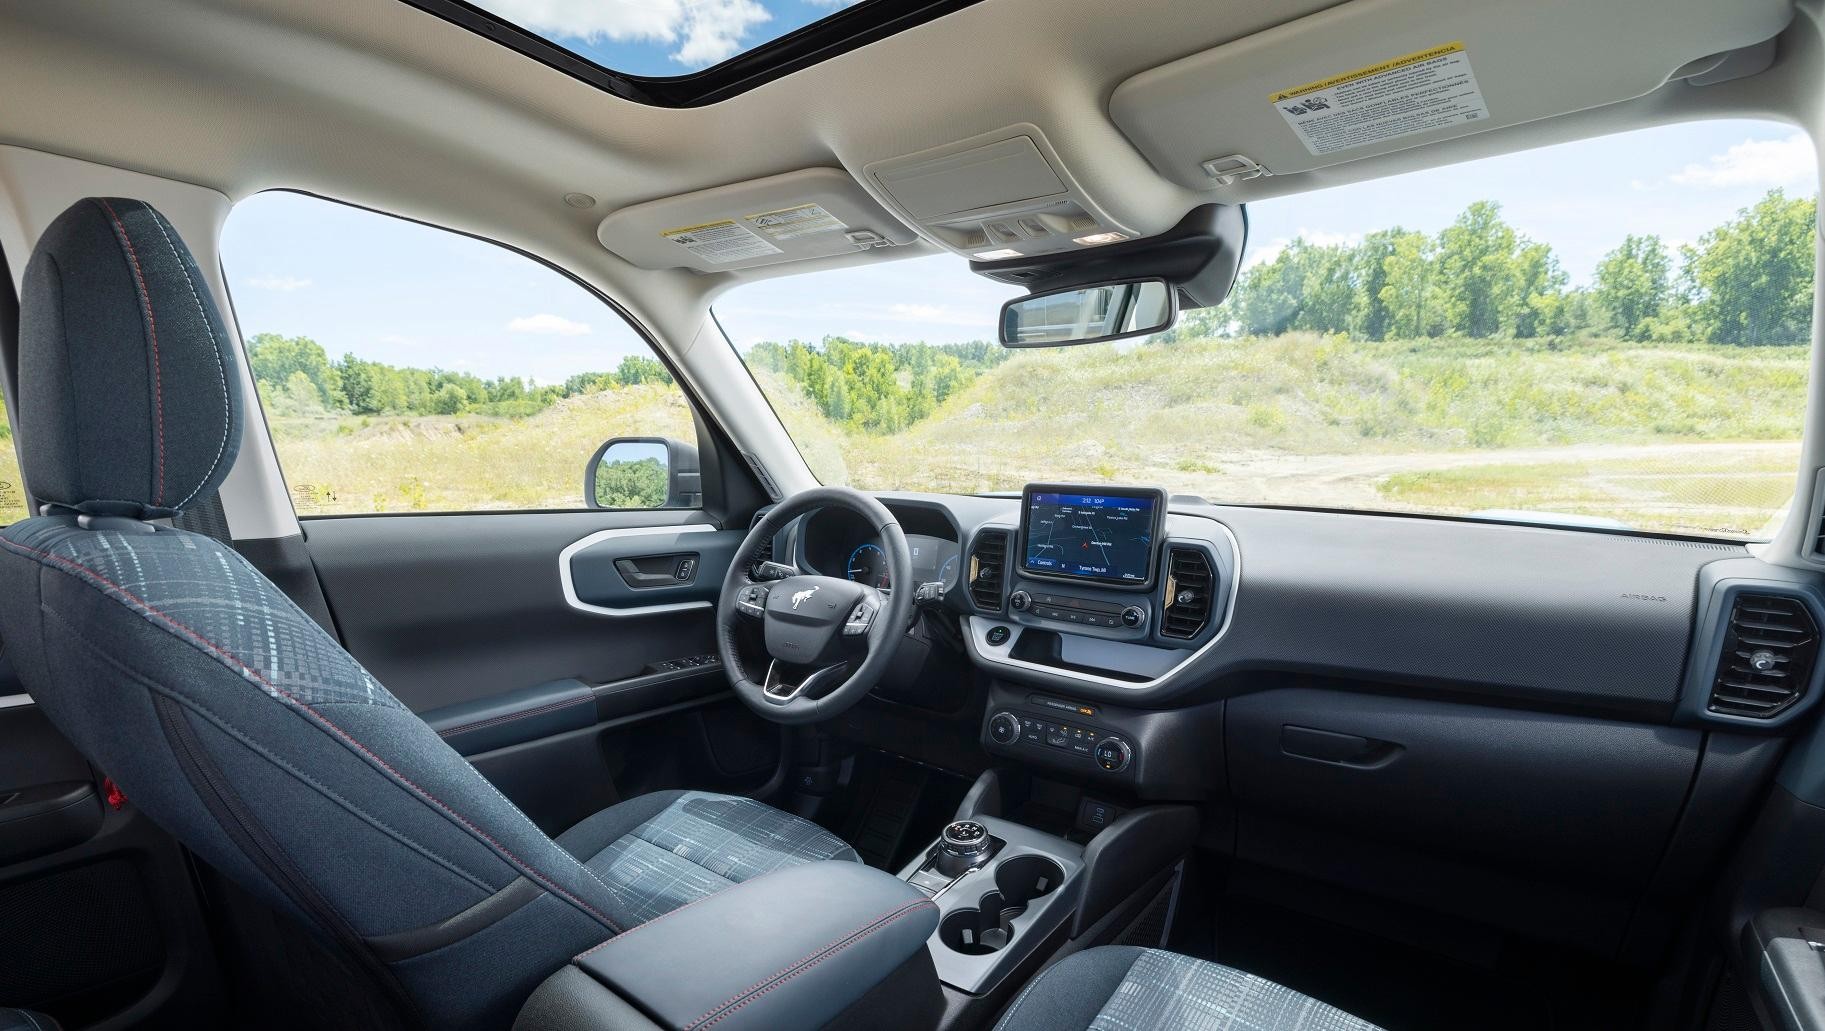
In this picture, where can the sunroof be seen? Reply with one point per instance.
(660, 37)
(683, 53)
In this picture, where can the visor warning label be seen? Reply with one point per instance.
(1418, 92)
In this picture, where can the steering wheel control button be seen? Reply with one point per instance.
(752, 600)
(1134, 616)
(1020, 601)
(860, 619)
(1004, 728)
(1113, 754)
(998, 635)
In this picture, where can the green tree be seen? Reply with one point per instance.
(1752, 276)
(1633, 283)
(638, 368)
(640, 484)
(1476, 271)
(450, 399)
(1411, 291)
(273, 359)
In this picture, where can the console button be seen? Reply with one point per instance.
(1057, 738)
(998, 635)
(1004, 728)
(1019, 601)
(1134, 616)
(1112, 754)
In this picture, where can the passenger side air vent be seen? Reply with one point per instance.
(988, 561)
(1769, 648)
(1189, 587)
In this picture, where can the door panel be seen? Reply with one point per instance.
(568, 655)
(460, 609)
(99, 922)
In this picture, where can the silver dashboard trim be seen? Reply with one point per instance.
(570, 587)
(14, 701)
(998, 656)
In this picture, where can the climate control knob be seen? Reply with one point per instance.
(1004, 728)
(1113, 755)
(1020, 601)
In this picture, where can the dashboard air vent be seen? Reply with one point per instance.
(1769, 648)
(1190, 585)
(988, 560)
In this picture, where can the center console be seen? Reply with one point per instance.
(1002, 890)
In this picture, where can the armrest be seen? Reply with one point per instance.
(789, 949)
(506, 719)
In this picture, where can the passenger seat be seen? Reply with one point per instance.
(26, 1020)
(1123, 988)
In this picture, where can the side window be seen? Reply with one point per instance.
(404, 368)
(12, 492)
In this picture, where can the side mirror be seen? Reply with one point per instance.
(1089, 314)
(643, 472)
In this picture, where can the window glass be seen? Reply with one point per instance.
(1623, 346)
(13, 505)
(404, 368)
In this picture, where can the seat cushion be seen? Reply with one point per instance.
(1130, 989)
(26, 1020)
(670, 848)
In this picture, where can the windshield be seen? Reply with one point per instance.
(1622, 342)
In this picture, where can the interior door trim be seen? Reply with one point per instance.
(570, 587)
(13, 701)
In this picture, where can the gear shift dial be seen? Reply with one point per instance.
(962, 847)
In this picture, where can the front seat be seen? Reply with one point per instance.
(1124, 988)
(234, 721)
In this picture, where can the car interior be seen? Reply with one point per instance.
(696, 732)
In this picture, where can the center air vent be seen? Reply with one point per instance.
(1190, 585)
(988, 560)
(1767, 658)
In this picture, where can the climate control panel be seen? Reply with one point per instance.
(1058, 739)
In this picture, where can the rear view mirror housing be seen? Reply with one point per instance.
(1089, 314)
(1199, 258)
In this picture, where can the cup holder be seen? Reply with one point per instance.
(990, 926)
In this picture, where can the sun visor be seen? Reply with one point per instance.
(1377, 76)
(813, 213)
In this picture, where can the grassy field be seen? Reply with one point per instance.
(450, 463)
(1690, 438)
(1686, 438)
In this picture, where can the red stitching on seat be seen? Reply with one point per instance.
(780, 977)
(249, 671)
(158, 389)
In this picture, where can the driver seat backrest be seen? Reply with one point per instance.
(222, 710)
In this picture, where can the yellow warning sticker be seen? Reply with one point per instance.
(721, 242)
(1413, 93)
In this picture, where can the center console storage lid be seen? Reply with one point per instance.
(793, 948)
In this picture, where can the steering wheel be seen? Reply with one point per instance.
(828, 640)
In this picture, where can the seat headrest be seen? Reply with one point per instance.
(129, 391)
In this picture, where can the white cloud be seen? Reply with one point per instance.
(284, 284)
(705, 31)
(1758, 163)
(546, 324)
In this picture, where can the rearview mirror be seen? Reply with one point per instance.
(643, 472)
(1089, 314)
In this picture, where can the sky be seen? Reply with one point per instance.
(393, 291)
(661, 37)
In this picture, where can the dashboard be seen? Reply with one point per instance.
(835, 542)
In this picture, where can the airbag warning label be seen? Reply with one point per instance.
(721, 242)
(1419, 92)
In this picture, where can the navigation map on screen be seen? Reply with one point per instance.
(1094, 536)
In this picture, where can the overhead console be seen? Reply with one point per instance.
(1098, 585)
(1001, 195)
(1367, 78)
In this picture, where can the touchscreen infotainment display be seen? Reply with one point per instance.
(1084, 534)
